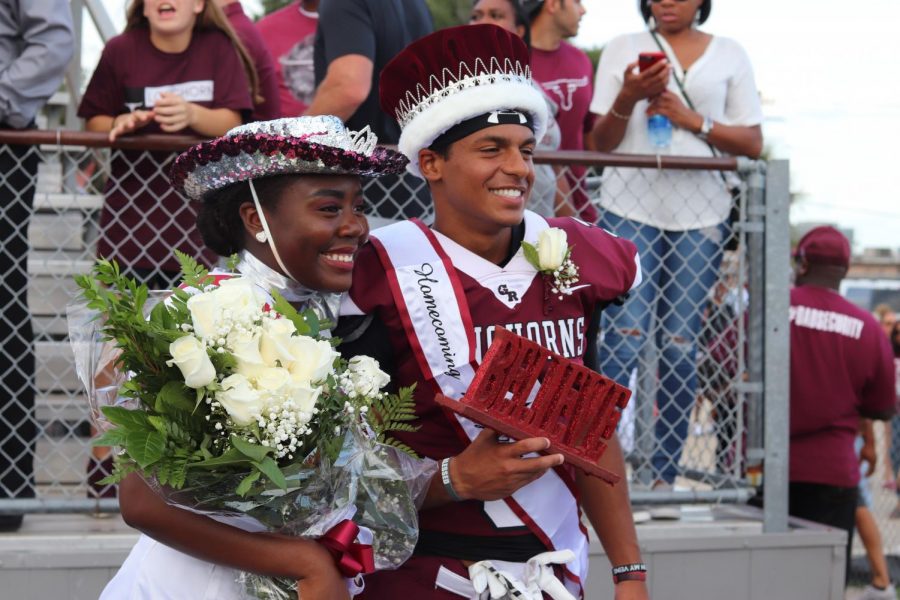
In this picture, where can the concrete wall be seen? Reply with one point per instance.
(727, 557)
(708, 555)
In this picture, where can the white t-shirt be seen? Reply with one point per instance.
(721, 86)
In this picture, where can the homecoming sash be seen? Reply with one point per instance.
(436, 319)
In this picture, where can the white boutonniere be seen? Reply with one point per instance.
(551, 255)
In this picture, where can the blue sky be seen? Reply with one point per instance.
(828, 72)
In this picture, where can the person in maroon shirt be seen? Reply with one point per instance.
(173, 70)
(267, 104)
(841, 369)
(551, 194)
(567, 76)
(290, 35)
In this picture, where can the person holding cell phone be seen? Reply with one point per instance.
(704, 85)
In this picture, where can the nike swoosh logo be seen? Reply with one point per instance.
(578, 287)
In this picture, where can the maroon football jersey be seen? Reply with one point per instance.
(841, 368)
(512, 296)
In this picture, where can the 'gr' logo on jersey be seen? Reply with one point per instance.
(511, 295)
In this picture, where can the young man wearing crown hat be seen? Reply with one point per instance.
(842, 369)
(499, 519)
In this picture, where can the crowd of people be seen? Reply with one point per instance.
(467, 107)
(328, 61)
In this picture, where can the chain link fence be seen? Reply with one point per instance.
(878, 491)
(689, 341)
(681, 340)
(67, 198)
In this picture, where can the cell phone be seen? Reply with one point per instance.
(648, 59)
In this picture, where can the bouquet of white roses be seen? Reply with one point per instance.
(228, 401)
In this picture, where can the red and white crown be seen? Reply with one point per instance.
(453, 75)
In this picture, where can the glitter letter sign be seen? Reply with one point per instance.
(523, 390)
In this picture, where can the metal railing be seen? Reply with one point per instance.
(709, 389)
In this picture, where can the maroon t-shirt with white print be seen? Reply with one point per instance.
(842, 368)
(143, 218)
(567, 76)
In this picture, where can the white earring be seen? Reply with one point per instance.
(261, 237)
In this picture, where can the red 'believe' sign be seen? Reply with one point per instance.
(523, 390)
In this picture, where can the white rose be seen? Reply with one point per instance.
(305, 397)
(311, 360)
(189, 355)
(273, 380)
(243, 298)
(240, 400)
(204, 314)
(244, 346)
(552, 248)
(366, 375)
(251, 371)
(276, 341)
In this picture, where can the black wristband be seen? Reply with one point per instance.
(631, 572)
(445, 479)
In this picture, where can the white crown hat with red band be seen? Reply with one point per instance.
(453, 75)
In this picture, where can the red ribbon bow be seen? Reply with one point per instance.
(351, 557)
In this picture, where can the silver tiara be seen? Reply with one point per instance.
(323, 129)
(420, 99)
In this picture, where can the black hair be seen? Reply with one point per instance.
(531, 8)
(442, 150)
(705, 9)
(522, 17)
(219, 218)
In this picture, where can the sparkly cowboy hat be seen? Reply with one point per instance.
(454, 75)
(303, 145)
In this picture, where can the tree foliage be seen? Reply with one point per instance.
(594, 54)
(270, 6)
(447, 13)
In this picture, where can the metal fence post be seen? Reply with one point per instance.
(754, 227)
(647, 386)
(73, 71)
(777, 345)
(101, 19)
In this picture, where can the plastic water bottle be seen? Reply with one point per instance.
(659, 129)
